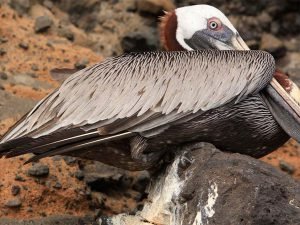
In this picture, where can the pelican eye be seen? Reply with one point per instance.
(214, 24)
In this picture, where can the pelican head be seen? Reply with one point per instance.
(199, 27)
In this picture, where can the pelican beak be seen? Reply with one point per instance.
(284, 107)
(238, 43)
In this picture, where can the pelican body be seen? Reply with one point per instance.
(129, 110)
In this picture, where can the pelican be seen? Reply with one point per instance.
(128, 111)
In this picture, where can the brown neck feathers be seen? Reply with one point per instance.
(283, 80)
(168, 27)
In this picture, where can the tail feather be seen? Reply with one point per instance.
(58, 143)
(24, 145)
(49, 142)
(6, 146)
(79, 146)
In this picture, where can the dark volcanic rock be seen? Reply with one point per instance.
(103, 178)
(64, 31)
(155, 6)
(21, 6)
(69, 160)
(206, 186)
(48, 4)
(82, 13)
(141, 182)
(79, 174)
(244, 190)
(42, 23)
(138, 42)
(38, 170)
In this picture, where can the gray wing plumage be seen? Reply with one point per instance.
(144, 91)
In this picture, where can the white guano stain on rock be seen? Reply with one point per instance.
(125, 219)
(212, 198)
(198, 219)
(207, 211)
(168, 188)
(292, 203)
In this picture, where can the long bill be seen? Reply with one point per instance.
(294, 106)
(284, 108)
(281, 104)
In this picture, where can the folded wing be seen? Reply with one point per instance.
(142, 92)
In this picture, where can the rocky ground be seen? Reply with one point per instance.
(37, 36)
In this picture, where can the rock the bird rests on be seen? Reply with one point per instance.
(206, 186)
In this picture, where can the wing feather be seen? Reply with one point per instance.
(169, 85)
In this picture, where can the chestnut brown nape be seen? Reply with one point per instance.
(283, 80)
(168, 27)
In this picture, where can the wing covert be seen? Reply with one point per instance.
(132, 88)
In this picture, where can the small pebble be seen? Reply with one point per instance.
(38, 170)
(15, 190)
(43, 214)
(79, 174)
(66, 32)
(25, 188)
(81, 64)
(19, 178)
(57, 185)
(3, 40)
(23, 45)
(34, 67)
(2, 51)
(286, 167)
(3, 76)
(13, 203)
(48, 4)
(42, 23)
(69, 160)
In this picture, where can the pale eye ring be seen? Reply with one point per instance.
(213, 25)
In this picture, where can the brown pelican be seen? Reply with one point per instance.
(128, 110)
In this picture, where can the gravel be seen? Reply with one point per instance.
(81, 64)
(3, 76)
(286, 167)
(24, 45)
(38, 170)
(42, 24)
(13, 203)
(15, 190)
